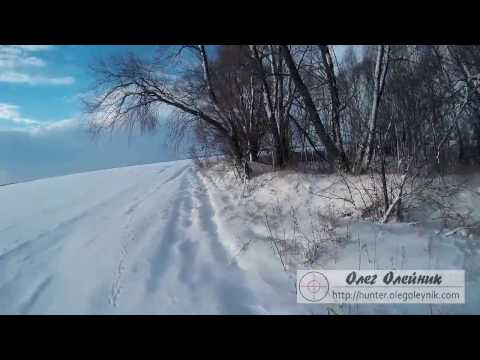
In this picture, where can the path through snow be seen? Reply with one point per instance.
(134, 240)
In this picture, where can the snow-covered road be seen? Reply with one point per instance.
(143, 239)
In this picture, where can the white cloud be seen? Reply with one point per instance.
(23, 78)
(8, 111)
(8, 60)
(19, 66)
(34, 47)
(11, 113)
(55, 126)
(9, 49)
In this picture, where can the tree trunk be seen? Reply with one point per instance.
(461, 148)
(333, 153)
(381, 67)
(334, 95)
(274, 114)
(384, 183)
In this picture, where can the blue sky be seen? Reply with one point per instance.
(37, 77)
(41, 131)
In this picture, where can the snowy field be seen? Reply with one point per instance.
(137, 240)
(168, 239)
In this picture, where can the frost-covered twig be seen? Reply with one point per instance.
(267, 224)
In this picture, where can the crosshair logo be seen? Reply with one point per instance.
(314, 286)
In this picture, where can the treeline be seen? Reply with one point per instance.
(380, 108)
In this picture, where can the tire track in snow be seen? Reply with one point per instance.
(208, 225)
(27, 306)
(67, 224)
(36, 250)
(139, 201)
(233, 294)
(168, 237)
(117, 285)
(189, 247)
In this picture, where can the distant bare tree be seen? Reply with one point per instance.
(130, 91)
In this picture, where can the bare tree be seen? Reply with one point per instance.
(240, 94)
(278, 96)
(334, 154)
(370, 114)
(381, 67)
(130, 91)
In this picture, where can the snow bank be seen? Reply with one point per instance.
(297, 217)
